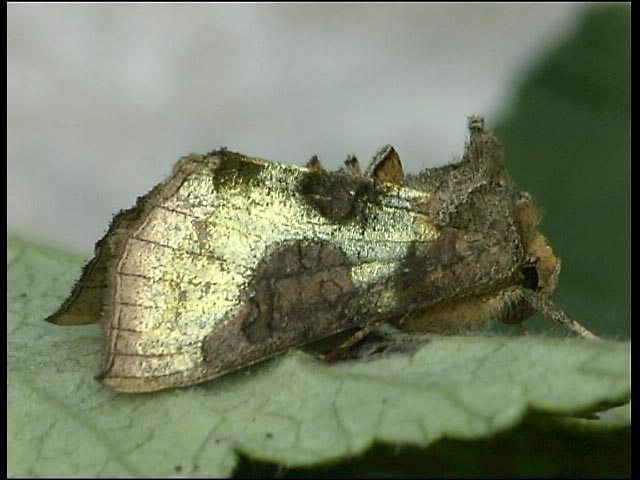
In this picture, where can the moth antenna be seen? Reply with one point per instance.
(551, 311)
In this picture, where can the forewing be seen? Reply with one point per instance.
(236, 260)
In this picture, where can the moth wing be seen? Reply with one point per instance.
(233, 260)
(202, 288)
(211, 321)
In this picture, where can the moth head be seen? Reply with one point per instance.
(538, 275)
(541, 268)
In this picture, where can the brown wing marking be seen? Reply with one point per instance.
(302, 294)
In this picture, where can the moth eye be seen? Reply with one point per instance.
(530, 277)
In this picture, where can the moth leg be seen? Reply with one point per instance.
(354, 339)
(549, 310)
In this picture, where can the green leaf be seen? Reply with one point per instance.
(292, 411)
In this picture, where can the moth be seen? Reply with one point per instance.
(233, 260)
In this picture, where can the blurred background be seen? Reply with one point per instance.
(103, 99)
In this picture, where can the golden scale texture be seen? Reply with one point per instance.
(233, 259)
